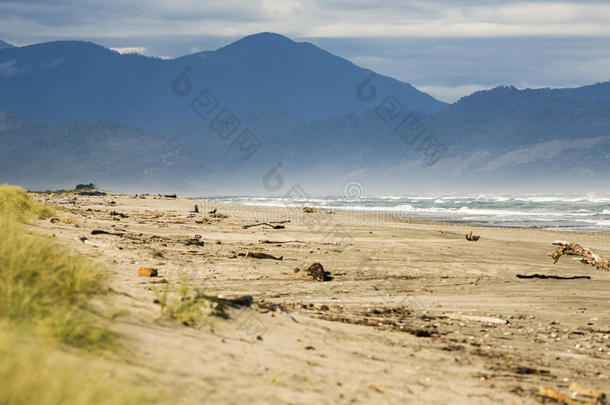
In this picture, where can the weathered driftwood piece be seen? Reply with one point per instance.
(472, 237)
(551, 393)
(101, 232)
(260, 255)
(280, 241)
(586, 391)
(553, 277)
(587, 256)
(474, 318)
(265, 224)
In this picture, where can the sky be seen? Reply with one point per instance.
(446, 48)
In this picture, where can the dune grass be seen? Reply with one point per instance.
(41, 286)
(31, 373)
(46, 312)
(17, 205)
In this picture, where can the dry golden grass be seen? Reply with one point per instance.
(42, 287)
(45, 297)
(16, 204)
(31, 373)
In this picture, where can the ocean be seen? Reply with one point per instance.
(590, 212)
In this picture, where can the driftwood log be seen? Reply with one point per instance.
(553, 277)
(260, 255)
(587, 256)
(264, 224)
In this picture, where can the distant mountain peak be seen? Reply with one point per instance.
(262, 37)
(262, 40)
(5, 45)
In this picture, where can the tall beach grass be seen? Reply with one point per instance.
(50, 335)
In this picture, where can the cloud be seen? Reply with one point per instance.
(446, 47)
(313, 18)
(451, 94)
(130, 49)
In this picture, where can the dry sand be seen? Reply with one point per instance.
(397, 324)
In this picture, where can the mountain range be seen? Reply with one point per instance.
(70, 80)
(221, 121)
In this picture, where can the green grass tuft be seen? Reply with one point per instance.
(192, 306)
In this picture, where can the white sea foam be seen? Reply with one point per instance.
(574, 212)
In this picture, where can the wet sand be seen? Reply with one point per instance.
(399, 323)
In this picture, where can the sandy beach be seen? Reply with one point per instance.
(414, 312)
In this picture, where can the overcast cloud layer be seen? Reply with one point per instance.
(447, 48)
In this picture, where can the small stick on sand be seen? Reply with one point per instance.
(553, 277)
(587, 255)
(266, 224)
(260, 255)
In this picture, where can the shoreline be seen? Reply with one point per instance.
(392, 218)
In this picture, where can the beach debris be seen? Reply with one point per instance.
(483, 319)
(598, 399)
(147, 272)
(260, 255)
(264, 224)
(194, 241)
(243, 301)
(276, 242)
(170, 196)
(318, 273)
(552, 277)
(531, 371)
(54, 219)
(218, 215)
(118, 214)
(196, 209)
(472, 237)
(213, 211)
(308, 210)
(588, 392)
(587, 256)
(102, 232)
